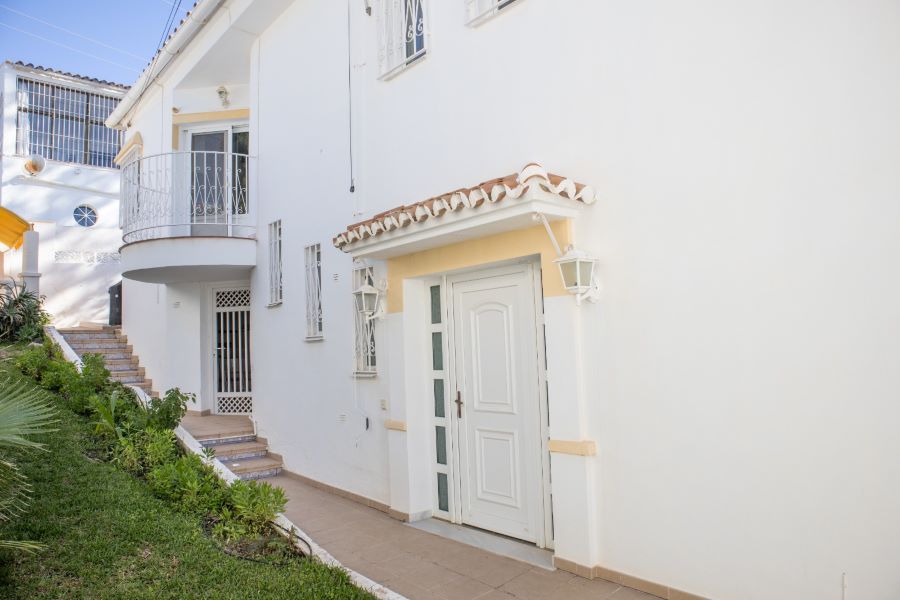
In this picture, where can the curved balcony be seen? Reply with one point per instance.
(187, 216)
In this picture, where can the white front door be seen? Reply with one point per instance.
(496, 406)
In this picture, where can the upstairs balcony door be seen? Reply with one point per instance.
(219, 178)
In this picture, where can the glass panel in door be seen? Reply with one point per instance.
(240, 148)
(208, 177)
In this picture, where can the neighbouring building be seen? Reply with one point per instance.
(344, 218)
(72, 198)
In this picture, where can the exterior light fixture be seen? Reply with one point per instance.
(222, 91)
(579, 275)
(34, 164)
(576, 268)
(369, 303)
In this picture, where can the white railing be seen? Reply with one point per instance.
(183, 194)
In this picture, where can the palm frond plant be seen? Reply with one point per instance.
(24, 414)
(22, 314)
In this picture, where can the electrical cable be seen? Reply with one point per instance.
(67, 47)
(70, 32)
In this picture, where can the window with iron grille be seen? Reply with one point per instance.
(65, 124)
(401, 34)
(313, 255)
(364, 328)
(481, 10)
(275, 282)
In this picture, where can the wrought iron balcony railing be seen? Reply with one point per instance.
(184, 194)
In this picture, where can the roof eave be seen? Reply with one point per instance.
(193, 22)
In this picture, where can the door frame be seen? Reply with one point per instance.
(211, 347)
(543, 521)
(229, 128)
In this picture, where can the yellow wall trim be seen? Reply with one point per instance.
(395, 425)
(578, 448)
(135, 141)
(481, 251)
(216, 115)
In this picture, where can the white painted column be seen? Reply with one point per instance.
(575, 496)
(30, 269)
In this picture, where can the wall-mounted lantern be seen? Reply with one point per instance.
(34, 164)
(369, 301)
(576, 268)
(579, 275)
(222, 91)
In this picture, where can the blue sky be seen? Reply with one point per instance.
(106, 39)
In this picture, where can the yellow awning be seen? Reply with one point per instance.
(12, 228)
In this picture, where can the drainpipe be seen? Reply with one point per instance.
(30, 274)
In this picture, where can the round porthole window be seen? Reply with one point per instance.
(85, 215)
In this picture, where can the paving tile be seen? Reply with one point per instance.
(578, 588)
(430, 575)
(536, 585)
(627, 593)
(497, 570)
(496, 595)
(462, 588)
(410, 589)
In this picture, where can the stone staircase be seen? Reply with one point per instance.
(117, 354)
(234, 441)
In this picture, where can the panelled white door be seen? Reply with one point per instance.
(496, 412)
(231, 353)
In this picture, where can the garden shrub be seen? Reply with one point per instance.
(143, 451)
(36, 359)
(166, 412)
(189, 485)
(255, 504)
(22, 314)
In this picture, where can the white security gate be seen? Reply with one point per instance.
(232, 352)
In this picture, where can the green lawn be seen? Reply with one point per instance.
(107, 537)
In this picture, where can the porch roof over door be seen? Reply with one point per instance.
(494, 206)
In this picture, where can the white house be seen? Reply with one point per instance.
(72, 199)
(714, 409)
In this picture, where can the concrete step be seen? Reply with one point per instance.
(255, 468)
(213, 430)
(78, 336)
(118, 375)
(108, 353)
(88, 345)
(240, 451)
(122, 364)
(134, 379)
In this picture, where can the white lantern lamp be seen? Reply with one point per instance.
(368, 301)
(579, 275)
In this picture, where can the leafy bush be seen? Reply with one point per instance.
(189, 485)
(94, 371)
(36, 359)
(255, 504)
(22, 316)
(166, 412)
(143, 451)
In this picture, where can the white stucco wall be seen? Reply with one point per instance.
(77, 264)
(736, 375)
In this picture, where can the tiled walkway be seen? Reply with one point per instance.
(423, 566)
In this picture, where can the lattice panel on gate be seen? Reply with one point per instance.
(232, 298)
(234, 405)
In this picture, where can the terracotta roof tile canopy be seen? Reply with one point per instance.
(510, 188)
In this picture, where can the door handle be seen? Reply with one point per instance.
(459, 404)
